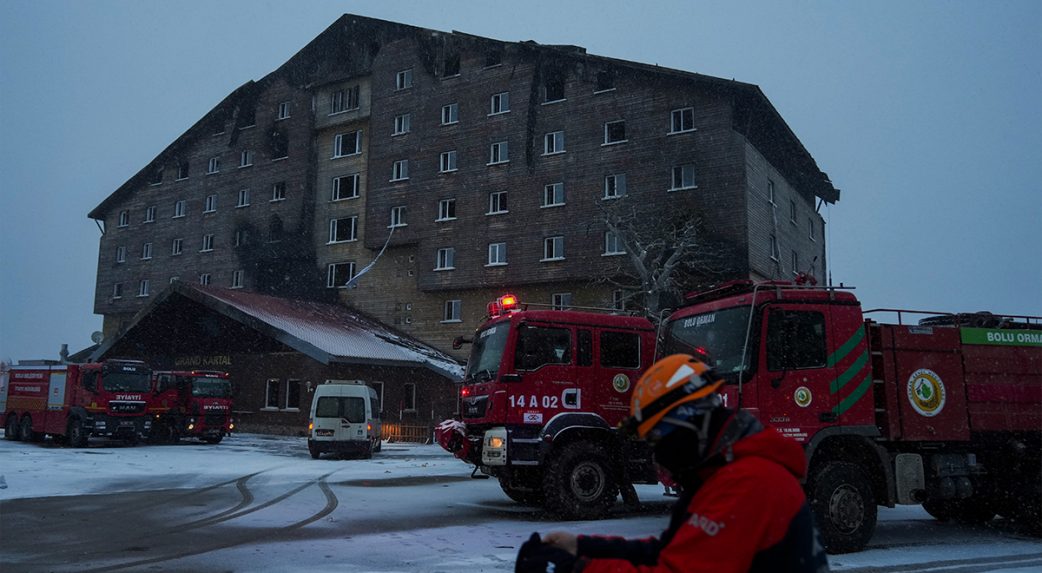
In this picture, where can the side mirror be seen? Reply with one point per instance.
(459, 341)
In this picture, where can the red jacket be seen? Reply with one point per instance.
(748, 515)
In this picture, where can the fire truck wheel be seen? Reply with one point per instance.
(579, 482)
(844, 506)
(26, 430)
(74, 430)
(11, 429)
(525, 493)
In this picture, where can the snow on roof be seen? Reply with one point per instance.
(342, 333)
(326, 332)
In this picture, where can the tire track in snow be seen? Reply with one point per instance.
(974, 565)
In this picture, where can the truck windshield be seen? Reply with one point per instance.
(721, 334)
(487, 353)
(127, 381)
(211, 388)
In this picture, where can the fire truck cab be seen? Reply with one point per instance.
(540, 400)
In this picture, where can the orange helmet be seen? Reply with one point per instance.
(673, 381)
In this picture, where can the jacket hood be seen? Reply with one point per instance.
(770, 445)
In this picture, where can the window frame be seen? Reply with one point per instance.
(150, 214)
(338, 144)
(683, 169)
(402, 124)
(331, 273)
(205, 279)
(450, 111)
(398, 217)
(400, 170)
(207, 243)
(615, 179)
(608, 140)
(334, 228)
(177, 247)
(553, 143)
(180, 208)
(499, 250)
(553, 245)
(213, 165)
(447, 161)
(243, 198)
(550, 190)
(146, 251)
(497, 203)
(278, 192)
(452, 311)
(444, 207)
(560, 301)
(121, 254)
(499, 153)
(143, 287)
(336, 187)
(210, 203)
(268, 394)
(117, 291)
(679, 113)
(282, 111)
(403, 80)
(124, 219)
(445, 260)
(609, 239)
(246, 158)
(499, 103)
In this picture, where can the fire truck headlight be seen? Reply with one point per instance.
(231, 426)
(191, 426)
(494, 452)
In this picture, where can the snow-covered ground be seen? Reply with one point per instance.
(260, 503)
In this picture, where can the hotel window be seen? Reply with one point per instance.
(553, 142)
(150, 214)
(446, 259)
(146, 251)
(400, 170)
(402, 123)
(177, 247)
(553, 248)
(345, 144)
(142, 288)
(204, 279)
(210, 205)
(338, 274)
(613, 244)
(681, 120)
(561, 301)
(398, 216)
(278, 191)
(246, 159)
(214, 165)
(615, 186)
(553, 195)
(448, 162)
(452, 311)
(500, 103)
(207, 243)
(244, 198)
(614, 132)
(343, 229)
(180, 208)
(446, 210)
(683, 177)
(497, 203)
(499, 153)
(271, 394)
(450, 114)
(345, 187)
(182, 170)
(403, 80)
(121, 254)
(497, 254)
(124, 218)
(283, 112)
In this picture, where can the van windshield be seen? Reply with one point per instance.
(487, 353)
(351, 408)
(720, 334)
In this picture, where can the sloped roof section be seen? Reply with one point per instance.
(327, 333)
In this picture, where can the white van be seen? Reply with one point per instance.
(345, 419)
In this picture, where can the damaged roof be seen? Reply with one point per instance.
(327, 333)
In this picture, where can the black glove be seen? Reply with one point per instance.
(538, 557)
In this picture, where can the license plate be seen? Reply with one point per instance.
(324, 433)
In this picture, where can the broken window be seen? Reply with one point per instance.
(451, 66)
(605, 81)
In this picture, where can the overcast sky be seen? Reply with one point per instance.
(927, 115)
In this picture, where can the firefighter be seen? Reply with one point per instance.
(741, 508)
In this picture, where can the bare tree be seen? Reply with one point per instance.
(664, 256)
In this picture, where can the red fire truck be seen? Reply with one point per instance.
(195, 403)
(72, 402)
(945, 411)
(540, 400)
